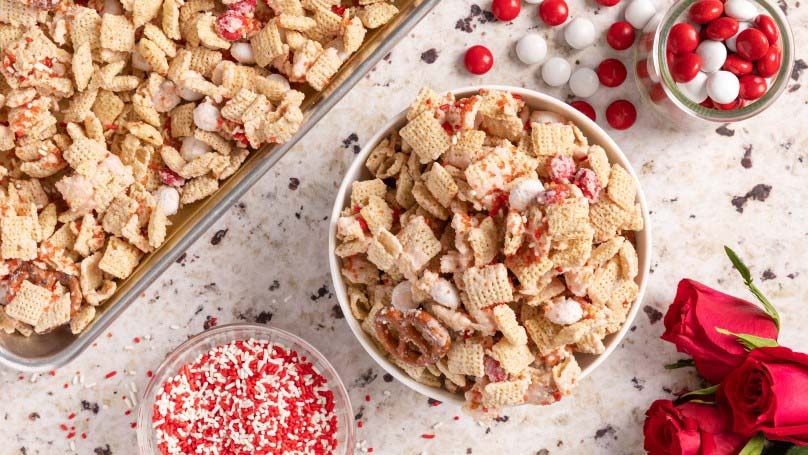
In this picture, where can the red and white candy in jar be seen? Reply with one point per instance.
(714, 60)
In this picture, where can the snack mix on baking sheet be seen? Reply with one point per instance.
(493, 245)
(115, 114)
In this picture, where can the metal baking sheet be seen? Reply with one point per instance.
(56, 349)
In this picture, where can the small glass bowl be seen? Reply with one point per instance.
(674, 108)
(205, 341)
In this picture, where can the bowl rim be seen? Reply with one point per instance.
(144, 412)
(531, 97)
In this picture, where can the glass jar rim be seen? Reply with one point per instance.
(681, 101)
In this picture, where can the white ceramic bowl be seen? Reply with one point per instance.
(536, 100)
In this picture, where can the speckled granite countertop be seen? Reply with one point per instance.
(265, 261)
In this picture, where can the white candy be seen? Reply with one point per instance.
(166, 97)
(696, 89)
(546, 117)
(242, 52)
(531, 49)
(723, 87)
(190, 95)
(742, 10)
(639, 12)
(443, 292)
(579, 33)
(524, 193)
(563, 311)
(140, 63)
(584, 82)
(713, 54)
(206, 116)
(402, 297)
(730, 42)
(168, 199)
(193, 148)
(556, 72)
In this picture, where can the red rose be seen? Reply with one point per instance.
(689, 429)
(768, 393)
(697, 311)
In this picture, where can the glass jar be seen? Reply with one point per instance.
(672, 107)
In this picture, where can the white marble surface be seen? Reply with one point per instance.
(272, 262)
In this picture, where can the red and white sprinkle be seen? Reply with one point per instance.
(246, 397)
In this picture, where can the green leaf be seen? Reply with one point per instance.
(747, 278)
(739, 265)
(754, 446)
(749, 341)
(682, 363)
(798, 450)
(702, 392)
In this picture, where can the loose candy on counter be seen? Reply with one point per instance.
(621, 114)
(620, 36)
(585, 108)
(579, 33)
(713, 54)
(478, 60)
(506, 10)
(608, 2)
(554, 12)
(531, 49)
(584, 83)
(723, 87)
(752, 87)
(696, 88)
(556, 71)
(612, 72)
(639, 13)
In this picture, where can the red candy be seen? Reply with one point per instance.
(620, 36)
(704, 11)
(554, 12)
(231, 25)
(611, 72)
(769, 64)
(621, 114)
(478, 60)
(244, 6)
(585, 108)
(752, 44)
(732, 105)
(641, 69)
(752, 87)
(608, 2)
(561, 168)
(685, 67)
(683, 38)
(721, 29)
(766, 25)
(737, 66)
(657, 93)
(506, 10)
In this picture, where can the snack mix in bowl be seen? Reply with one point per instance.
(115, 115)
(493, 245)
